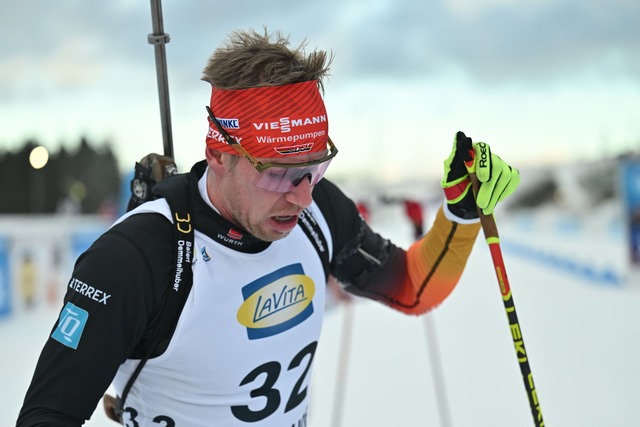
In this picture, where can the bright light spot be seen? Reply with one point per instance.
(39, 157)
(78, 191)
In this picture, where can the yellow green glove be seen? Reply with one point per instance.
(497, 179)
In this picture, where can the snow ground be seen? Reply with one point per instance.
(579, 331)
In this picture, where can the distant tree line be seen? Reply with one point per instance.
(85, 181)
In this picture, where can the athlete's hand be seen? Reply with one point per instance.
(111, 408)
(497, 179)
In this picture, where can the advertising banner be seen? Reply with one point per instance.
(5, 282)
(630, 186)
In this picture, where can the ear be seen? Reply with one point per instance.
(215, 160)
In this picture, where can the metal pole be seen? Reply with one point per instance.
(158, 39)
(436, 371)
(343, 364)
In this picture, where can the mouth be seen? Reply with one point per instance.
(285, 221)
(285, 218)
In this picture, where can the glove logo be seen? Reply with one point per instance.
(483, 155)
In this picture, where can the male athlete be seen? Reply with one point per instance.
(268, 231)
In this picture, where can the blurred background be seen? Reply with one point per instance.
(543, 81)
(552, 86)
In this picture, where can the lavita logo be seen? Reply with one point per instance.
(276, 302)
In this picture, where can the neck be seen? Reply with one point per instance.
(215, 200)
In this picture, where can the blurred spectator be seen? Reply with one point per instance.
(27, 280)
(363, 208)
(415, 213)
(412, 209)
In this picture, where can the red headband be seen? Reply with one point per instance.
(270, 121)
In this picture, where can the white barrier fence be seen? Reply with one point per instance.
(37, 254)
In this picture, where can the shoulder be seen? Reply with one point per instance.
(146, 231)
(339, 211)
(143, 225)
(134, 254)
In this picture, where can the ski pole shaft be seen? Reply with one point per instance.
(158, 39)
(343, 364)
(436, 371)
(490, 230)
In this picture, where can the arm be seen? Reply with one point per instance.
(421, 278)
(412, 281)
(115, 284)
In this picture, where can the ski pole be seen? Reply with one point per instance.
(343, 362)
(436, 370)
(158, 39)
(490, 230)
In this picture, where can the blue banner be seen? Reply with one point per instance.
(5, 282)
(630, 183)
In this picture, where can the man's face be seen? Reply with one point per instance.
(266, 214)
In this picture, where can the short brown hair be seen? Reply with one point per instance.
(251, 59)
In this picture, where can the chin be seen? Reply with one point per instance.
(271, 235)
(282, 235)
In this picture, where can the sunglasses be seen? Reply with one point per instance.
(280, 177)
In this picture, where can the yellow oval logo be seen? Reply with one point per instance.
(277, 302)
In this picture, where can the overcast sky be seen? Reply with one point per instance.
(537, 79)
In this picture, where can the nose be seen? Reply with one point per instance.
(300, 195)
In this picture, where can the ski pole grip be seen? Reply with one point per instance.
(488, 223)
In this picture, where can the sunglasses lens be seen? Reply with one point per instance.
(282, 180)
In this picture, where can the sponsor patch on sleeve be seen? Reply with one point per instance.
(70, 325)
